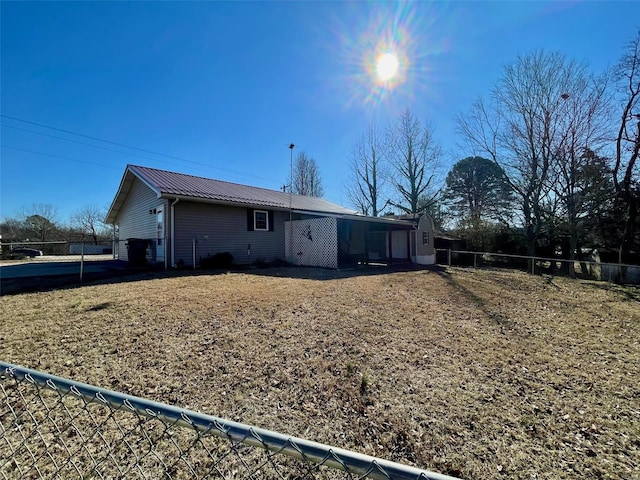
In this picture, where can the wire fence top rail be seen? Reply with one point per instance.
(307, 451)
(532, 257)
(29, 242)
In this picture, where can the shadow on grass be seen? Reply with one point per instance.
(629, 292)
(498, 318)
(100, 306)
(315, 273)
(121, 273)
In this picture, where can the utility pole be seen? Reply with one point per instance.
(290, 254)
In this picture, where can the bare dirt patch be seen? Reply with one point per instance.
(479, 374)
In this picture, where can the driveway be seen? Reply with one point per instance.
(56, 268)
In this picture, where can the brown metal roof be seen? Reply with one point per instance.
(173, 185)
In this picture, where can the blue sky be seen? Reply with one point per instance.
(221, 89)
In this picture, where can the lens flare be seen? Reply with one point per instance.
(387, 66)
(385, 60)
(389, 53)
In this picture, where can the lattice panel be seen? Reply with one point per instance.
(313, 242)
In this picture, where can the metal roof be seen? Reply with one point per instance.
(179, 185)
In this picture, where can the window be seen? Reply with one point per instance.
(425, 238)
(159, 226)
(260, 220)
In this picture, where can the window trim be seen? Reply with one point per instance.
(255, 221)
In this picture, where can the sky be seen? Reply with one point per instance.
(221, 89)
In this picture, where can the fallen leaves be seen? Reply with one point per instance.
(473, 373)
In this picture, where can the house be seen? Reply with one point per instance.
(183, 219)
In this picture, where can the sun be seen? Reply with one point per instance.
(387, 66)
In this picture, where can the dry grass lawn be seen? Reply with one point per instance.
(478, 374)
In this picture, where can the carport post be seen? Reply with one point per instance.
(449, 257)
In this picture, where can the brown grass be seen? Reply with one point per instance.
(480, 374)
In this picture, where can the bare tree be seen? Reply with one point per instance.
(13, 229)
(414, 157)
(306, 177)
(42, 222)
(625, 171)
(367, 162)
(582, 130)
(542, 115)
(90, 221)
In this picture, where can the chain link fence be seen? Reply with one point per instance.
(51, 427)
(28, 266)
(59, 251)
(584, 268)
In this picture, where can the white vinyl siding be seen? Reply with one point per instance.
(134, 219)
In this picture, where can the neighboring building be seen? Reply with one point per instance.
(185, 218)
(441, 239)
(85, 248)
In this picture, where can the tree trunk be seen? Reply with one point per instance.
(573, 247)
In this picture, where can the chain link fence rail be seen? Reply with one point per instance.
(28, 266)
(50, 259)
(59, 251)
(585, 268)
(51, 427)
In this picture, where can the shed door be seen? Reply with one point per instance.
(160, 240)
(399, 244)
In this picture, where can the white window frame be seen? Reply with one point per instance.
(255, 220)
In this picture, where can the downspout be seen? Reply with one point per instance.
(415, 244)
(173, 233)
(113, 242)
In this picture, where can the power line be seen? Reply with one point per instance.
(95, 138)
(117, 144)
(111, 149)
(75, 141)
(59, 156)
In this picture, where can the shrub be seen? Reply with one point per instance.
(218, 261)
(276, 262)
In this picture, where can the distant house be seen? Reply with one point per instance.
(184, 218)
(441, 239)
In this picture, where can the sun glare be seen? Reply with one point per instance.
(389, 50)
(387, 66)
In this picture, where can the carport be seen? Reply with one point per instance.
(369, 240)
(345, 240)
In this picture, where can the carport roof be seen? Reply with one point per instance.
(173, 185)
(358, 217)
